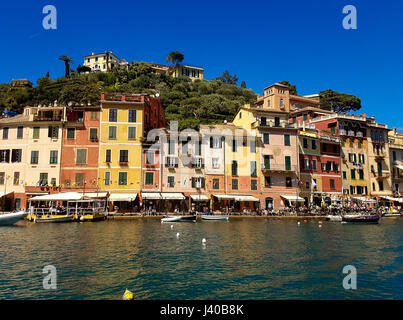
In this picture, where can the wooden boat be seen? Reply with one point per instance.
(96, 216)
(8, 219)
(209, 217)
(53, 218)
(190, 218)
(334, 218)
(361, 219)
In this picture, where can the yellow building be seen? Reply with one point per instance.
(121, 130)
(191, 72)
(396, 161)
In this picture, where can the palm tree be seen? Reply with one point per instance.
(175, 57)
(107, 61)
(67, 61)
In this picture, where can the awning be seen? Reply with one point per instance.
(400, 166)
(123, 196)
(199, 197)
(364, 200)
(246, 198)
(393, 199)
(224, 196)
(151, 195)
(2, 194)
(292, 198)
(62, 196)
(36, 193)
(172, 196)
(95, 194)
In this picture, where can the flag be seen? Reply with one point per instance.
(313, 183)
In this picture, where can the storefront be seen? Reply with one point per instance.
(292, 200)
(151, 201)
(234, 203)
(200, 202)
(174, 202)
(121, 202)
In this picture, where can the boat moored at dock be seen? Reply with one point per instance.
(189, 218)
(208, 217)
(361, 219)
(8, 219)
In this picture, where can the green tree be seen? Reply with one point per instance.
(175, 57)
(66, 60)
(228, 78)
(243, 84)
(339, 102)
(293, 88)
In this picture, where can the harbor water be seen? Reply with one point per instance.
(249, 258)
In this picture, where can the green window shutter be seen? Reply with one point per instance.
(287, 162)
(267, 162)
(266, 138)
(203, 182)
(132, 133)
(193, 182)
(287, 140)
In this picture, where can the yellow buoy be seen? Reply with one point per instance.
(128, 295)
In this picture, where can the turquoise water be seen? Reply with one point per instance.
(242, 259)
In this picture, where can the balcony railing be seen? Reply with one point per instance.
(44, 118)
(277, 167)
(350, 133)
(360, 134)
(343, 132)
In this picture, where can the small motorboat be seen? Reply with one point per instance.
(361, 219)
(53, 218)
(209, 217)
(190, 218)
(334, 218)
(8, 219)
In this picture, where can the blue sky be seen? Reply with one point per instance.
(261, 42)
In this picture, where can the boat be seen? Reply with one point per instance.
(361, 219)
(209, 217)
(334, 218)
(53, 218)
(190, 218)
(389, 215)
(96, 216)
(8, 219)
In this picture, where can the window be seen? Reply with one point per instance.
(305, 117)
(171, 147)
(276, 121)
(288, 182)
(332, 187)
(94, 115)
(20, 132)
(361, 158)
(234, 184)
(380, 185)
(253, 184)
(287, 140)
(113, 115)
(53, 156)
(281, 103)
(253, 169)
(266, 138)
(263, 121)
(112, 132)
(35, 133)
(5, 155)
(352, 189)
(5, 133)
(266, 162)
(34, 157)
(234, 145)
(352, 173)
(71, 133)
(294, 119)
(394, 155)
(305, 143)
(313, 144)
(16, 155)
(123, 156)
(287, 160)
(150, 157)
(216, 184)
(108, 155)
(93, 134)
(215, 142)
(16, 180)
(132, 115)
(306, 164)
(198, 147)
(53, 132)
(344, 175)
(198, 182)
(81, 157)
(107, 178)
(215, 163)
(79, 179)
(267, 181)
(171, 182)
(234, 167)
(149, 179)
(252, 146)
(2, 176)
(359, 144)
(43, 178)
(313, 164)
(122, 181)
(361, 174)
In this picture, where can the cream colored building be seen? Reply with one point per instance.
(396, 161)
(191, 72)
(103, 61)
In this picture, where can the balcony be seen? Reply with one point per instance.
(277, 167)
(351, 133)
(343, 132)
(360, 134)
(47, 118)
(122, 97)
(380, 175)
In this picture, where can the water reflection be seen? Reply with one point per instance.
(242, 259)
